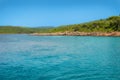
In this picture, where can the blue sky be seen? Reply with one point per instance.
(34, 13)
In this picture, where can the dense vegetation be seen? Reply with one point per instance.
(110, 24)
(20, 30)
(104, 25)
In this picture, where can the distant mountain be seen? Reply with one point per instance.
(20, 30)
(111, 24)
(44, 27)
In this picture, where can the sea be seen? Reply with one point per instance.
(27, 57)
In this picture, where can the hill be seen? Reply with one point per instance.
(111, 24)
(22, 30)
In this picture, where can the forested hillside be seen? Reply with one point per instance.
(20, 30)
(104, 25)
(111, 24)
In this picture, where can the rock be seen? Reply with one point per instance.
(78, 34)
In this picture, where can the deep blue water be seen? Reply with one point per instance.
(25, 57)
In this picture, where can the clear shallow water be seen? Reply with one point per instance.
(25, 57)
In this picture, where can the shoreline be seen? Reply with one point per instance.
(78, 34)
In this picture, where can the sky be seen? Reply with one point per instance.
(35, 13)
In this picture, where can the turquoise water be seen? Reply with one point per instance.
(25, 57)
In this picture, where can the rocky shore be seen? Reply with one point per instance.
(78, 34)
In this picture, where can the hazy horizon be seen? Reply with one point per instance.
(35, 13)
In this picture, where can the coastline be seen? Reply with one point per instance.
(78, 34)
